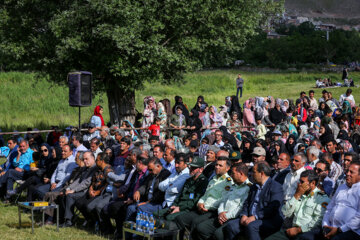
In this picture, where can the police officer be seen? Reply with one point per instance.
(229, 207)
(308, 206)
(209, 203)
(192, 191)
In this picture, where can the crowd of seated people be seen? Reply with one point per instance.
(270, 169)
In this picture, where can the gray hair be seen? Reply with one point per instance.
(64, 137)
(121, 132)
(313, 151)
(302, 156)
(136, 151)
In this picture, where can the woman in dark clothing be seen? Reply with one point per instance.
(277, 149)
(200, 104)
(235, 107)
(179, 102)
(247, 148)
(325, 134)
(229, 138)
(194, 123)
(277, 115)
(290, 144)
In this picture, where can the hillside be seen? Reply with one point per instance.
(339, 12)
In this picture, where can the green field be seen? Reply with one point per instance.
(26, 101)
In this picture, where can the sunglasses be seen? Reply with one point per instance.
(45, 150)
(319, 170)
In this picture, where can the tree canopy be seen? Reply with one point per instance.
(127, 42)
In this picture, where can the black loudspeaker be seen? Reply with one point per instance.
(79, 89)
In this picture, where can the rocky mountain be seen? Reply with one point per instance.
(339, 12)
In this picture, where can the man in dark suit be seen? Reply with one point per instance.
(283, 168)
(149, 195)
(261, 211)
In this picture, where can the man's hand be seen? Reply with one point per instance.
(332, 232)
(301, 189)
(243, 220)
(202, 208)
(222, 218)
(136, 196)
(128, 202)
(53, 186)
(292, 232)
(69, 192)
(143, 203)
(19, 169)
(46, 180)
(249, 220)
(174, 209)
(91, 193)
(2, 173)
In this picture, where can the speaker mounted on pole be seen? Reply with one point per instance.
(80, 88)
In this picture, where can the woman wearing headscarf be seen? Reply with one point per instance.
(150, 111)
(247, 148)
(234, 124)
(215, 118)
(277, 148)
(97, 119)
(249, 116)
(41, 170)
(325, 134)
(276, 114)
(230, 139)
(235, 107)
(179, 102)
(178, 122)
(194, 123)
(199, 104)
(290, 144)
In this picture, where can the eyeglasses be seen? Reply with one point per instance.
(318, 170)
(45, 150)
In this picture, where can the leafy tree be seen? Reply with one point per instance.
(127, 42)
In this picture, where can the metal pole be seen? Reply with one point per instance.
(79, 118)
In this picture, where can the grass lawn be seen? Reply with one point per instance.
(30, 102)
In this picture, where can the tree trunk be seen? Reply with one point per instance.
(121, 105)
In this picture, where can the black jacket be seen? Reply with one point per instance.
(157, 195)
(280, 177)
(270, 200)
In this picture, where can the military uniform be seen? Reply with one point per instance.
(211, 200)
(231, 203)
(192, 191)
(308, 212)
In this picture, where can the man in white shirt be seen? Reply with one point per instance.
(342, 217)
(292, 178)
(77, 142)
(173, 185)
(312, 153)
(94, 146)
(313, 101)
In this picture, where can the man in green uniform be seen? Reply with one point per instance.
(308, 206)
(229, 207)
(208, 204)
(193, 189)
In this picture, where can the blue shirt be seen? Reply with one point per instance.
(24, 160)
(169, 166)
(257, 199)
(10, 159)
(63, 171)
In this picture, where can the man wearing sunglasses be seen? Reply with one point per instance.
(326, 184)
